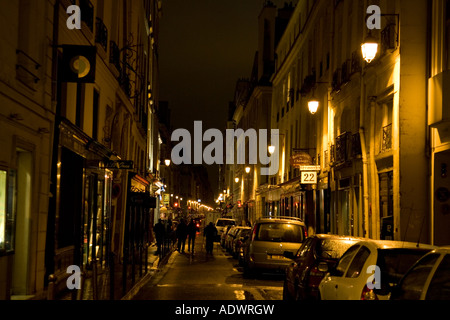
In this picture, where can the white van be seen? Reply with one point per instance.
(222, 224)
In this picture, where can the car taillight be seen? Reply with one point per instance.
(315, 276)
(368, 294)
(306, 233)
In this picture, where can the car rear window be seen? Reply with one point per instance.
(344, 261)
(280, 232)
(332, 248)
(394, 263)
(224, 223)
(412, 284)
(439, 288)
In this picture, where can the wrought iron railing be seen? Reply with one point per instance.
(332, 154)
(343, 144)
(386, 143)
(87, 13)
(336, 83)
(356, 145)
(101, 33)
(326, 158)
(114, 55)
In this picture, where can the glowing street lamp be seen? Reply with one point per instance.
(369, 48)
(236, 180)
(313, 105)
(271, 149)
(247, 169)
(167, 162)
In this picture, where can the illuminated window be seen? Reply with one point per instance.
(6, 211)
(2, 209)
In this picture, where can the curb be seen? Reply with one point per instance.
(156, 267)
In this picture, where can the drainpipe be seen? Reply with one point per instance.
(364, 157)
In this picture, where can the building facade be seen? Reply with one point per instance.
(89, 173)
(365, 162)
(368, 135)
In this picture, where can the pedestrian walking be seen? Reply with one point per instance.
(210, 233)
(159, 230)
(181, 235)
(192, 232)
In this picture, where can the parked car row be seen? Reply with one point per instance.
(233, 239)
(330, 267)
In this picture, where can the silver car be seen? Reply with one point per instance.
(270, 238)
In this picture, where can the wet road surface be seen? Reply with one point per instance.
(200, 276)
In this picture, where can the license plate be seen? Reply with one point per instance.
(275, 257)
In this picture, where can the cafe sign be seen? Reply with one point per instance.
(301, 159)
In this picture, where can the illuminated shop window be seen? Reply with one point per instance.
(7, 207)
(6, 212)
(2, 209)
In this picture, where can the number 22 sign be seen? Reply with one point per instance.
(309, 177)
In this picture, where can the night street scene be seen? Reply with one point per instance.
(225, 158)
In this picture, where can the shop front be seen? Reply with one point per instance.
(80, 209)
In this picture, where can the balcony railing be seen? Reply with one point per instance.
(346, 72)
(336, 84)
(343, 147)
(356, 145)
(87, 13)
(114, 55)
(386, 143)
(332, 154)
(356, 62)
(101, 34)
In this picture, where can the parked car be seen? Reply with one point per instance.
(353, 278)
(229, 237)
(222, 224)
(428, 278)
(224, 234)
(242, 234)
(271, 237)
(303, 275)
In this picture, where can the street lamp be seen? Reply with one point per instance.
(247, 169)
(271, 149)
(369, 48)
(167, 162)
(313, 105)
(236, 180)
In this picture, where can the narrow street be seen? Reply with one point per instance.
(205, 277)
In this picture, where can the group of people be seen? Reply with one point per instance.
(182, 233)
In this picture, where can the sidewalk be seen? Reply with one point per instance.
(103, 280)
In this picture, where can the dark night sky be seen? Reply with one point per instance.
(205, 46)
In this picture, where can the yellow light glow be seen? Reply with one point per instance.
(369, 50)
(313, 105)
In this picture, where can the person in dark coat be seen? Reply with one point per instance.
(210, 233)
(192, 232)
(159, 230)
(181, 235)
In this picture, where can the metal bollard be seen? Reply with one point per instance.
(51, 287)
